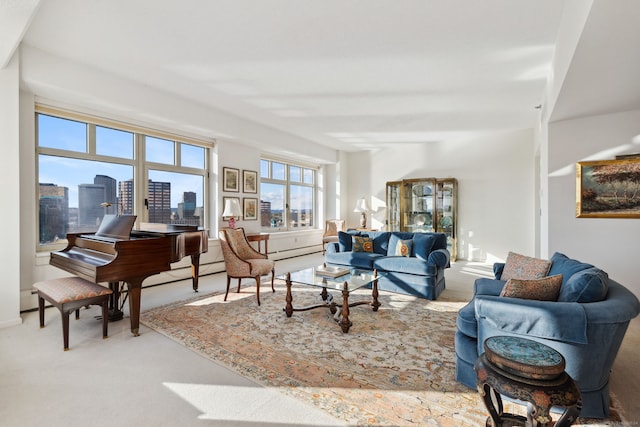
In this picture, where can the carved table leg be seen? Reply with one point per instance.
(289, 307)
(374, 294)
(344, 322)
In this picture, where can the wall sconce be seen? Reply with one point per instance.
(232, 210)
(362, 206)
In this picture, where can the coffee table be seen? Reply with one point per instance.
(355, 279)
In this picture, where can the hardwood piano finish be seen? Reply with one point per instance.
(130, 260)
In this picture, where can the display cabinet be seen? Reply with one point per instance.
(423, 205)
(393, 205)
(417, 206)
(446, 197)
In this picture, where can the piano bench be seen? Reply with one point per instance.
(69, 294)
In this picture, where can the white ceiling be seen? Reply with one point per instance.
(348, 74)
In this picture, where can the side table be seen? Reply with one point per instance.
(260, 237)
(527, 371)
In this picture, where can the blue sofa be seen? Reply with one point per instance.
(421, 273)
(586, 325)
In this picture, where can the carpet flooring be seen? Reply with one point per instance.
(395, 367)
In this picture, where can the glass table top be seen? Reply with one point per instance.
(355, 278)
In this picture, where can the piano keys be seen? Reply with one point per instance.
(130, 257)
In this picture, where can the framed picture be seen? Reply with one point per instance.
(230, 179)
(250, 208)
(608, 189)
(249, 181)
(224, 203)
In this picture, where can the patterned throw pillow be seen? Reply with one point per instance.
(403, 248)
(545, 289)
(362, 244)
(523, 267)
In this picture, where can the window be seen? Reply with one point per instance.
(287, 196)
(87, 169)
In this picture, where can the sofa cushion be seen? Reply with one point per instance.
(354, 259)
(523, 267)
(402, 265)
(345, 240)
(562, 264)
(545, 289)
(362, 244)
(422, 245)
(589, 285)
(466, 320)
(394, 238)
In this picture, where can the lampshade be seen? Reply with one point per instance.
(362, 205)
(232, 208)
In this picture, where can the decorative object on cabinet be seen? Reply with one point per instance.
(604, 188)
(230, 179)
(249, 181)
(422, 205)
(250, 208)
(362, 206)
(231, 210)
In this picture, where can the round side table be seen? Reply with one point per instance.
(530, 372)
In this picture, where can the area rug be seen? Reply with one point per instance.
(395, 367)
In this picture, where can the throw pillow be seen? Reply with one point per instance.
(422, 245)
(394, 238)
(589, 285)
(545, 289)
(403, 248)
(362, 244)
(523, 267)
(345, 239)
(562, 264)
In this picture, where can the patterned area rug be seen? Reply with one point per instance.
(395, 367)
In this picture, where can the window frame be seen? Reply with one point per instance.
(287, 183)
(141, 167)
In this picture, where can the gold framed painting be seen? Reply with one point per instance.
(231, 179)
(608, 189)
(250, 208)
(249, 181)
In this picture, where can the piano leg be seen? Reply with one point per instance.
(115, 313)
(135, 290)
(195, 270)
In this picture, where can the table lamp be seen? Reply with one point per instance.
(232, 210)
(362, 206)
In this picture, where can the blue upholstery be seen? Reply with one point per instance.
(421, 274)
(588, 335)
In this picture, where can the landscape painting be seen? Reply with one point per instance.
(608, 189)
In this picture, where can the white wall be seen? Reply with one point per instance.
(611, 244)
(10, 214)
(496, 187)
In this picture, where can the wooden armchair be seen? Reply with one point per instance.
(242, 261)
(331, 228)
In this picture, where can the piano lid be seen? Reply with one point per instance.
(116, 226)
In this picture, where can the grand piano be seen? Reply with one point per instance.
(117, 253)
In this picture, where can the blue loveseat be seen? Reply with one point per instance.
(420, 273)
(586, 325)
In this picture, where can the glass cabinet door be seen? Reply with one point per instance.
(393, 205)
(446, 190)
(418, 205)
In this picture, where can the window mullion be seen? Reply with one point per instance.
(141, 184)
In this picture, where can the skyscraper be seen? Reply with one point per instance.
(54, 212)
(159, 202)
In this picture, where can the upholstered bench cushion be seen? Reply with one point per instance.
(69, 289)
